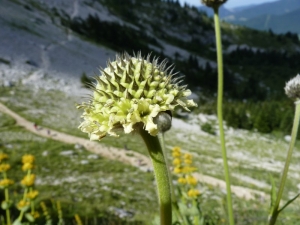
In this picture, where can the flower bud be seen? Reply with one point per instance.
(213, 3)
(292, 88)
(163, 121)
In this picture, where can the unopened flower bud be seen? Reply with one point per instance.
(163, 120)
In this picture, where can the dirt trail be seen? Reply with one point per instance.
(122, 155)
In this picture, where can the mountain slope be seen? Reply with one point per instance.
(278, 23)
(279, 7)
(62, 40)
(280, 16)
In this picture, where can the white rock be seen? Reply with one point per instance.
(84, 162)
(93, 156)
(287, 138)
(67, 153)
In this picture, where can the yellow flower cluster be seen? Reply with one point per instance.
(3, 156)
(28, 180)
(32, 194)
(28, 162)
(183, 168)
(4, 167)
(4, 183)
(22, 204)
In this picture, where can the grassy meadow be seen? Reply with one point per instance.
(86, 183)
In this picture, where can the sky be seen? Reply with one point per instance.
(230, 3)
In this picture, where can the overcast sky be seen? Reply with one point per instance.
(229, 3)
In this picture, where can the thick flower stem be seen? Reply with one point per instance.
(220, 113)
(275, 211)
(161, 175)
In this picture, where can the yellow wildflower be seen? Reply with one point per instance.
(4, 167)
(177, 170)
(188, 161)
(193, 193)
(176, 162)
(22, 204)
(188, 169)
(176, 154)
(3, 156)
(27, 166)
(4, 183)
(188, 156)
(191, 180)
(32, 194)
(28, 180)
(176, 149)
(181, 180)
(35, 214)
(28, 159)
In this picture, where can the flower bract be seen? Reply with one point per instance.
(129, 94)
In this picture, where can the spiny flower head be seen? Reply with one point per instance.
(213, 3)
(292, 88)
(129, 94)
(28, 159)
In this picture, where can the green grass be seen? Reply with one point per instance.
(252, 158)
(99, 185)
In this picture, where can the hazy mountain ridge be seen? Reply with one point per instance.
(279, 16)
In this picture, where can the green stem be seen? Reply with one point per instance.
(220, 115)
(275, 212)
(162, 176)
(173, 196)
(7, 210)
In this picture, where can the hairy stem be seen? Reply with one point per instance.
(161, 175)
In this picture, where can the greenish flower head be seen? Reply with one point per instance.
(129, 94)
(292, 88)
(213, 3)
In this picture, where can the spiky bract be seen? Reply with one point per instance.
(130, 92)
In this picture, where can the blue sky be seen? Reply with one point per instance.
(229, 3)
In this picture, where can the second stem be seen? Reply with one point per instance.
(220, 113)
